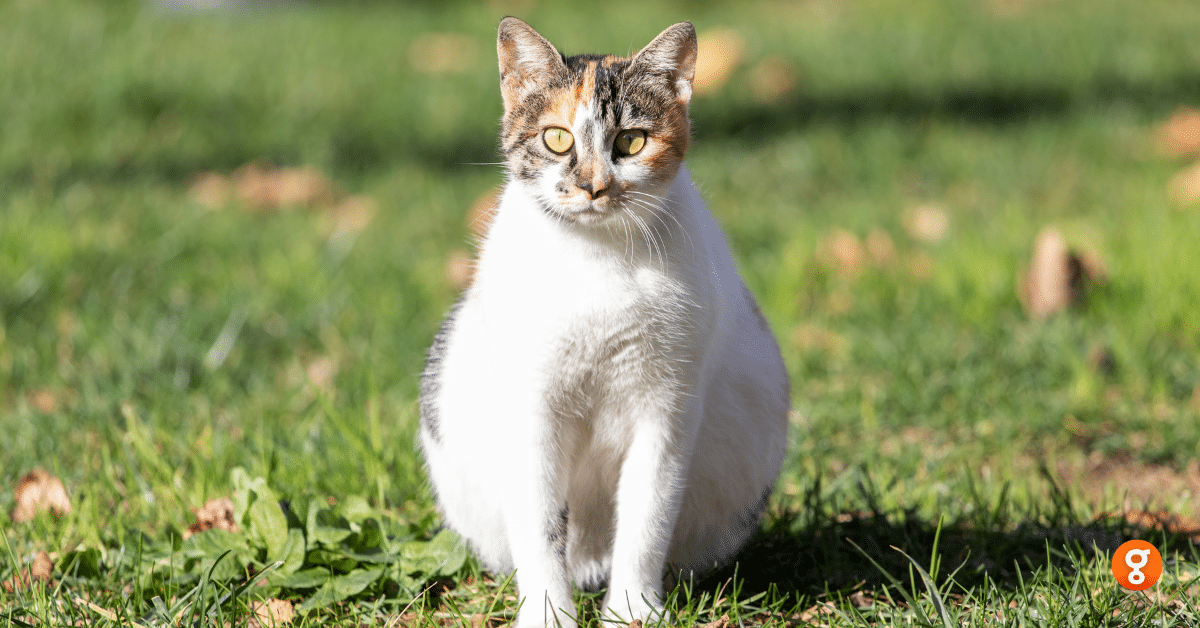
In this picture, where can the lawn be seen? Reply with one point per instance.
(181, 321)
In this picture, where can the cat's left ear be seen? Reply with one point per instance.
(672, 55)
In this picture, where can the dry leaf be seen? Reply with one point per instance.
(813, 337)
(880, 247)
(1057, 278)
(460, 269)
(352, 215)
(321, 372)
(718, 53)
(43, 401)
(722, 622)
(40, 571)
(927, 223)
(216, 513)
(210, 190)
(268, 189)
(39, 491)
(1184, 188)
(843, 251)
(271, 613)
(442, 53)
(772, 79)
(816, 611)
(1180, 134)
(861, 599)
(920, 265)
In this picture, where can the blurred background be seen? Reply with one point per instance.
(228, 231)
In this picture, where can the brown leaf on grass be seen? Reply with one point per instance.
(1184, 188)
(927, 223)
(39, 491)
(479, 218)
(271, 613)
(920, 265)
(442, 53)
(43, 401)
(813, 337)
(1179, 136)
(880, 247)
(1057, 277)
(718, 53)
(351, 216)
(816, 611)
(772, 79)
(843, 251)
(321, 371)
(40, 571)
(210, 190)
(216, 513)
(269, 189)
(721, 622)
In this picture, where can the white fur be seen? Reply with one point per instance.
(624, 373)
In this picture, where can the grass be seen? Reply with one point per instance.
(151, 346)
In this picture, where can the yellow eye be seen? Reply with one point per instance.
(558, 140)
(631, 141)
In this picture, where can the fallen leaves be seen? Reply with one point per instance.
(1184, 188)
(216, 513)
(773, 79)
(1179, 137)
(262, 188)
(927, 223)
(38, 572)
(1057, 277)
(271, 613)
(38, 491)
(718, 53)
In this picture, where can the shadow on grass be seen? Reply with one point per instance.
(809, 550)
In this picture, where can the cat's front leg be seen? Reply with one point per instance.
(536, 522)
(648, 499)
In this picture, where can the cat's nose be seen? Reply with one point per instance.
(594, 188)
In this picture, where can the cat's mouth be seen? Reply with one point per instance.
(591, 215)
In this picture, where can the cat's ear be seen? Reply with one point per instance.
(672, 55)
(524, 56)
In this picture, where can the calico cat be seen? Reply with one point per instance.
(605, 402)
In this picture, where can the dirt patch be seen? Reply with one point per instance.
(1151, 496)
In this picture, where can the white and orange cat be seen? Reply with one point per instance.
(605, 403)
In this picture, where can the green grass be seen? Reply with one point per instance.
(150, 346)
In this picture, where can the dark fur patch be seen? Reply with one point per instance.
(431, 378)
(556, 532)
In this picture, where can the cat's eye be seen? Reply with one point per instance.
(630, 141)
(558, 140)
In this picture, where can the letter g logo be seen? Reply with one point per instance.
(1137, 565)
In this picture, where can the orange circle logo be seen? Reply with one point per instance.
(1137, 565)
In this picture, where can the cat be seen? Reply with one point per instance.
(606, 401)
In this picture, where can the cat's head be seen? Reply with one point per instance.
(593, 136)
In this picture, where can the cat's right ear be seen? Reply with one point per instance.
(524, 57)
